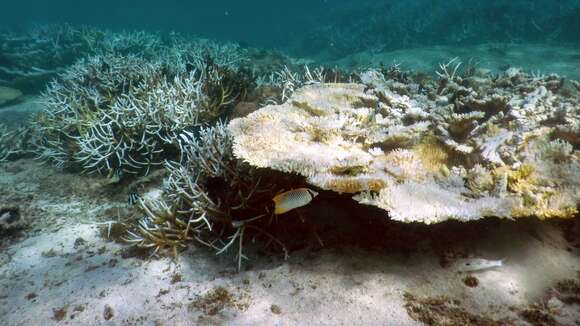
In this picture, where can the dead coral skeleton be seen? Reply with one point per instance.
(373, 140)
(112, 112)
(288, 81)
(210, 198)
(449, 70)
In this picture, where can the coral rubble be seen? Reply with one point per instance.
(460, 147)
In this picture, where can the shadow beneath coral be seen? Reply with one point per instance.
(336, 223)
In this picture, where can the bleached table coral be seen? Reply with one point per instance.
(450, 149)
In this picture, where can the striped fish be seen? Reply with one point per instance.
(292, 199)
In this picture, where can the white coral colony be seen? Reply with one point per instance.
(463, 148)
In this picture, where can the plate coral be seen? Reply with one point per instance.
(463, 146)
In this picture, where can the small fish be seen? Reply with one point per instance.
(476, 264)
(292, 199)
(133, 198)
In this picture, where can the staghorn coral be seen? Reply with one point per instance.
(95, 114)
(113, 113)
(454, 148)
(210, 198)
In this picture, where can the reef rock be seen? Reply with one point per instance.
(8, 95)
(426, 156)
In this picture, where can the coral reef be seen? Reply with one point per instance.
(464, 146)
(31, 58)
(124, 113)
(209, 197)
(139, 101)
(122, 108)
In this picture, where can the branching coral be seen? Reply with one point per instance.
(141, 101)
(287, 80)
(112, 112)
(95, 113)
(461, 147)
(209, 196)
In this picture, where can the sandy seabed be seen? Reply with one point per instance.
(62, 270)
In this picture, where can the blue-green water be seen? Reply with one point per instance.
(312, 27)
